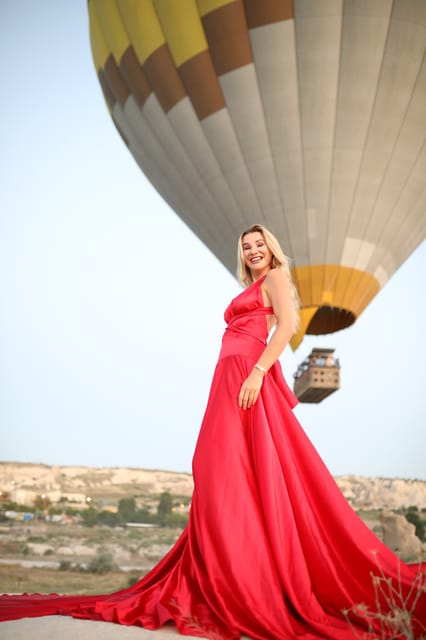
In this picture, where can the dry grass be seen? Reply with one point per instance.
(16, 579)
(394, 612)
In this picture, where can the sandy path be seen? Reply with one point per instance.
(66, 628)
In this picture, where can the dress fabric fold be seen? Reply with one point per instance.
(272, 549)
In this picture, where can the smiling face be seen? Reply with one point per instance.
(257, 255)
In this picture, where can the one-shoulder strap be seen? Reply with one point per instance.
(263, 310)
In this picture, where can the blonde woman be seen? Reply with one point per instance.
(272, 549)
(260, 258)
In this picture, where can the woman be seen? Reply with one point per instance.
(272, 549)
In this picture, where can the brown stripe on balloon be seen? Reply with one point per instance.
(226, 32)
(108, 94)
(115, 81)
(134, 76)
(163, 77)
(200, 81)
(268, 11)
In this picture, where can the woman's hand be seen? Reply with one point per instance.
(250, 389)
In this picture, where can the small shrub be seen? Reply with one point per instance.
(103, 562)
(64, 565)
(133, 579)
(176, 520)
(415, 518)
(37, 539)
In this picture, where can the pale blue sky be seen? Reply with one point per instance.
(111, 310)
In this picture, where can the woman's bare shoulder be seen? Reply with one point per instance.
(276, 278)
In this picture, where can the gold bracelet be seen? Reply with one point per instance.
(259, 366)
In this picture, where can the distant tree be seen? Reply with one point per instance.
(143, 515)
(89, 517)
(9, 506)
(127, 509)
(164, 508)
(41, 503)
(109, 518)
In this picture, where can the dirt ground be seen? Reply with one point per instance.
(54, 627)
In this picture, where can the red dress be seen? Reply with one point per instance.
(272, 549)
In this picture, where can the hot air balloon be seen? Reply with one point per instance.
(306, 116)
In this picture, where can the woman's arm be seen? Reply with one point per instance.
(278, 290)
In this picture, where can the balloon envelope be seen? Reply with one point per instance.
(307, 117)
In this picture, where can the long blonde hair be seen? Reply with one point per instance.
(279, 261)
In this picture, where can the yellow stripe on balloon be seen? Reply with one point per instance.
(142, 25)
(360, 291)
(100, 50)
(332, 286)
(182, 27)
(317, 283)
(207, 6)
(349, 289)
(112, 27)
